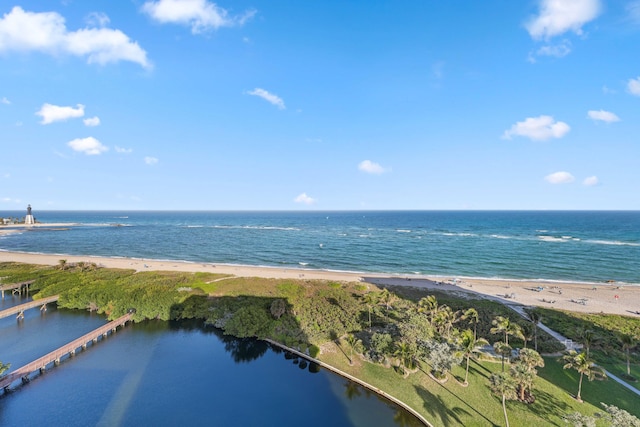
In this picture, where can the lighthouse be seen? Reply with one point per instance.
(29, 220)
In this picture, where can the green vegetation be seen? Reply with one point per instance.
(424, 349)
(4, 367)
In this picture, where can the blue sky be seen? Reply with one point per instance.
(278, 105)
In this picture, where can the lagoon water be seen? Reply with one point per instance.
(174, 374)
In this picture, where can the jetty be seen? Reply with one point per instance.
(40, 365)
(16, 287)
(20, 309)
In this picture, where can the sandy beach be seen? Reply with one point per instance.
(589, 298)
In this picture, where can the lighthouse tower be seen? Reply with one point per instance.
(29, 220)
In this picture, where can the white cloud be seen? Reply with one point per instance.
(92, 121)
(97, 19)
(371, 167)
(633, 86)
(556, 50)
(559, 178)
(151, 160)
(55, 113)
(46, 32)
(10, 200)
(633, 9)
(303, 198)
(5, 101)
(123, 150)
(538, 129)
(269, 97)
(591, 181)
(89, 146)
(200, 15)
(559, 16)
(603, 116)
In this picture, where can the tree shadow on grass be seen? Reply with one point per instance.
(438, 410)
(547, 406)
(434, 406)
(479, 370)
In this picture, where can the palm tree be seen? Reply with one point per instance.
(527, 333)
(516, 331)
(387, 298)
(503, 385)
(503, 349)
(429, 306)
(587, 338)
(628, 341)
(530, 358)
(522, 377)
(406, 356)
(500, 326)
(468, 346)
(451, 318)
(535, 317)
(472, 316)
(371, 300)
(581, 363)
(524, 369)
(354, 345)
(62, 264)
(444, 319)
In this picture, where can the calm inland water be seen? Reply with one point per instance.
(174, 373)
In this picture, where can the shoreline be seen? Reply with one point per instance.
(582, 297)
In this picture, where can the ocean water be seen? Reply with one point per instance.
(581, 246)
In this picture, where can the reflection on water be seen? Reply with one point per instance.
(175, 373)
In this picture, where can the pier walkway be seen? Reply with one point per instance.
(20, 309)
(16, 287)
(55, 356)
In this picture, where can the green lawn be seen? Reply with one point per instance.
(620, 370)
(451, 404)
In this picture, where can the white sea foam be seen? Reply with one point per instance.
(551, 239)
(403, 231)
(611, 242)
(256, 227)
(446, 233)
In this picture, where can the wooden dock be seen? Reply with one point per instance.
(20, 309)
(40, 365)
(16, 287)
